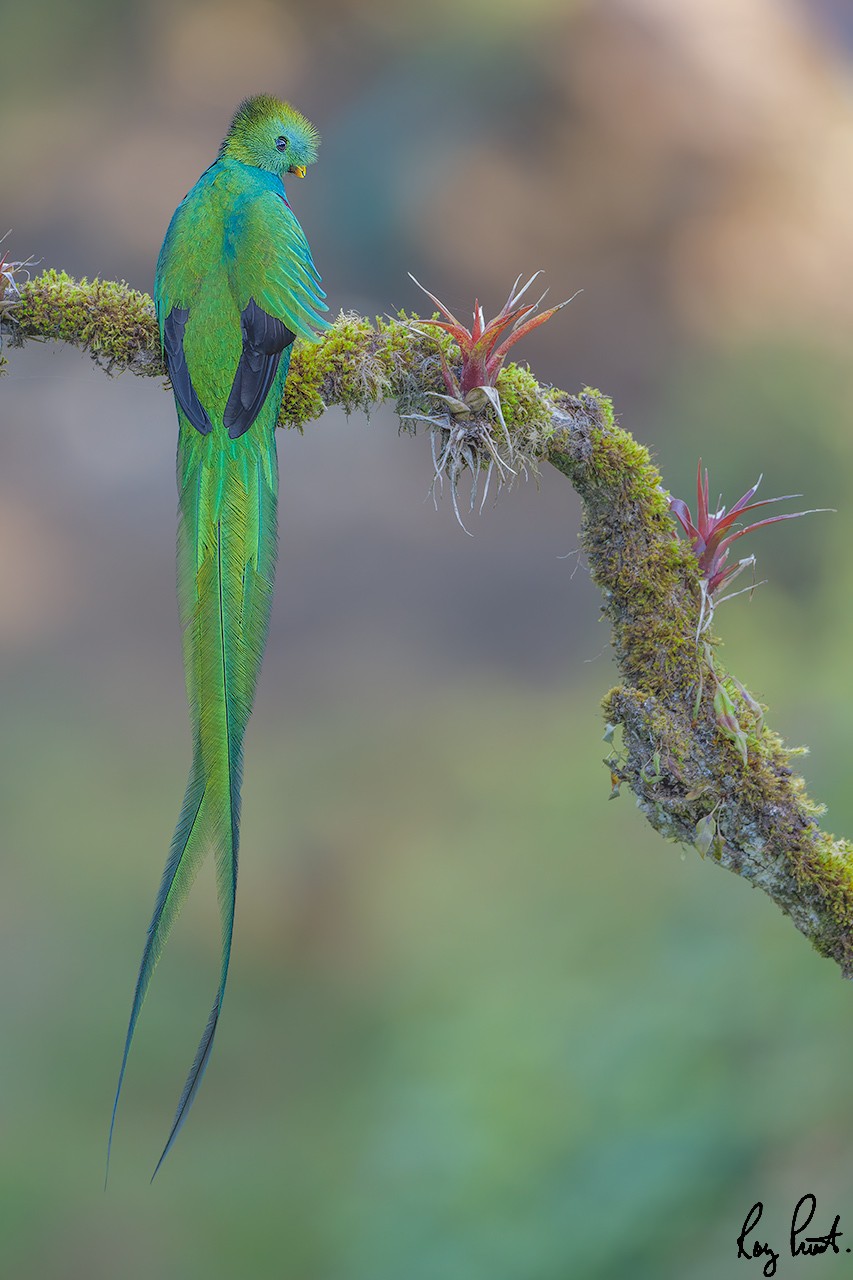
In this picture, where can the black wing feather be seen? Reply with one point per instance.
(185, 392)
(264, 339)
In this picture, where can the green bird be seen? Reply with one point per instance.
(235, 285)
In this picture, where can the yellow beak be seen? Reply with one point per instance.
(298, 169)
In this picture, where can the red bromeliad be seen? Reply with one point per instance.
(483, 352)
(464, 429)
(710, 536)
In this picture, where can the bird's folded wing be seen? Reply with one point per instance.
(274, 267)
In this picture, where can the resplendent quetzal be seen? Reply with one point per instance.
(235, 285)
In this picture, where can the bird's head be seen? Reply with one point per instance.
(272, 135)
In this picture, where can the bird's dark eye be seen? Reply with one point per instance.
(281, 144)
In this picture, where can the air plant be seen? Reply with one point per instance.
(468, 435)
(482, 351)
(8, 281)
(712, 539)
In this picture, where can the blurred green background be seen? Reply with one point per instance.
(482, 1024)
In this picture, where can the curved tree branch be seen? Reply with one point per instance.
(751, 815)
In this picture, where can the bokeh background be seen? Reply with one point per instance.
(482, 1024)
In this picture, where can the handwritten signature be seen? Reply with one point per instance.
(800, 1244)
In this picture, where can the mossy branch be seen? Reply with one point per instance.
(691, 780)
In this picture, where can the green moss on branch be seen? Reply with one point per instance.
(112, 322)
(753, 817)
